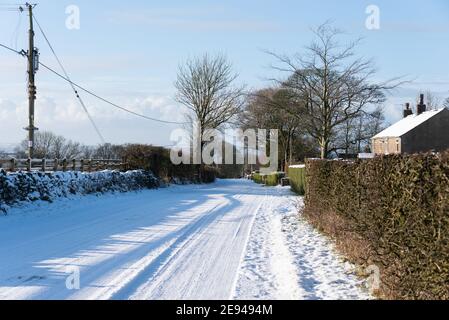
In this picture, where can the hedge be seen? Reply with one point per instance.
(391, 211)
(272, 179)
(297, 176)
(157, 160)
(257, 178)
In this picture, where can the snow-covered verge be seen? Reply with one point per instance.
(286, 258)
(32, 186)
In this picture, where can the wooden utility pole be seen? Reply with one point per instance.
(32, 66)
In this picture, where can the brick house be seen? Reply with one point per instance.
(421, 132)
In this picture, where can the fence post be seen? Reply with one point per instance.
(13, 165)
(28, 165)
(43, 165)
(82, 165)
(56, 165)
(89, 167)
(74, 164)
(64, 165)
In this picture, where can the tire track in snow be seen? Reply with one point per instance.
(242, 257)
(206, 266)
(150, 270)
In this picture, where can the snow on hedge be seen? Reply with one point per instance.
(32, 186)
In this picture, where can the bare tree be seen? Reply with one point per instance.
(265, 109)
(446, 103)
(57, 147)
(3, 153)
(205, 87)
(43, 143)
(87, 152)
(50, 145)
(73, 150)
(433, 102)
(332, 85)
(354, 136)
(108, 151)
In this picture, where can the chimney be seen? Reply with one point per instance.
(407, 110)
(421, 106)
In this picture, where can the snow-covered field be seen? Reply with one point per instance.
(229, 240)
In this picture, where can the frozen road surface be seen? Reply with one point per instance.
(229, 240)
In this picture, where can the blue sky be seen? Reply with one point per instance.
(129, 52)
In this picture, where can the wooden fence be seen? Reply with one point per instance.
(49, 165)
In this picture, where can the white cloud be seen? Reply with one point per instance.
(7, 109)
(65, 116)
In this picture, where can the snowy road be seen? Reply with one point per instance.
(229, 240)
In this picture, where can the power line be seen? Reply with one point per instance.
(67, 78)
(22, 53)
(107, 101)
(99, 97)
(70, 82)
(13, 7)
(16, 32)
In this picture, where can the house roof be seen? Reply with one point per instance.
(407, 124)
